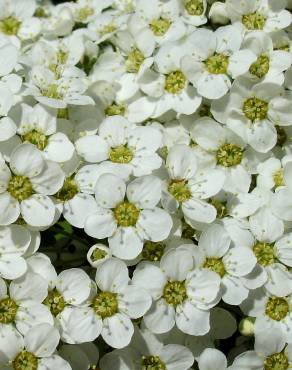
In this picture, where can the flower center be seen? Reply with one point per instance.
(83, 13)
(98, 254)
(277, 308)
(134, 61)
(40, 12)
(62, 56)
(217, 64)
(121, 154)
(51, 91)
(115, 110)
(126, 214)
(9, 26)
(194, 7)
(278, 178)
(229, 155)
(255, 109)
(216, 265)
(260, 67)
(37, 138)
(68, 190)
(55, 302)
(105, 304)
(160, 26)
(175, 82)
(276, 361)
(109, 28)
(152, 363)
(254, 21)
(8, 310)
(153, 251)
(20, 187)
(264, 253)
(175, 292)
(220, 207)
(25, 361)
(63, 113)
(179, 190)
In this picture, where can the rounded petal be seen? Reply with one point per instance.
(112, 275)
(109, 190)
(38, 210)
(100, 225)
(212, 359)
(145, 191)
(27, 160)
(154, 224)
(191, 320)
(42, 340)
(117, 330)
(126, 243)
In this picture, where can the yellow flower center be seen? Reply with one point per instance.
(254, 21)
(68, 190)
(152, 363)
(216, 265)
(9, 26)
(126, 214)
(121, 154)
(36, 138)
(260, 67)
(55, 302)
(109, 28)
(25, 361)
(276, 361)
(98, 254)
(105, 304)
(220, 207)
(153, 251)
(83, 13)
(264, 253)
(179, 190)
(194, 7)
(277, 308)
(52, 92)
(217, 64)
(175, 82)
(115, 110)
(8, 310)
(160, 26)
(134, 61)
(255, 109)
(278, 178)
(229, 155)
(175, 292)
(20, 187)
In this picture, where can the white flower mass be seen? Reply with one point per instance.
(146, 185)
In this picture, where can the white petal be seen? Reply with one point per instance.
(74, 285)
(117, 330)
(100, 225)
(154, 224)
(199, 211)
(77, 209)
(215, 241)
(126, 243)
(134, 302)
(239, 261)
(30, 314)
(59, 148)
(112, 275)
(27, 160)
(9, 209)
(234, 292)
(145, 191)
(92, 148)
(38, 210)
(191, 320)
(50, 180)
(42, 340)
(31, 286)
(181, 162)
(160, 318)
(212, 359)
(177, 263)
(53, 362)
(176, 357)
(11, 343)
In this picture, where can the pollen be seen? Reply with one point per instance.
(179, 190)
(216, 265)
(254, 21)
(8, 310)
(105, 304)
(194, 7)
(126, 214)
(260, 67)
(20, 187)
(277, 308)
(36, 138)
(175, 292)
(255, 109)
(160, 26)
(229, 155)
(121, 154)
(217, 64)
(175, 82)
(68, 190)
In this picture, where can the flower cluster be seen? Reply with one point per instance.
(146, 185)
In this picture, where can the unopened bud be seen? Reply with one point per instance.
(218, 14)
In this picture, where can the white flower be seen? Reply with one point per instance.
(146, 351)
(274, 173)
(256, 15)
(8, 55)
(231, 263)
(211, 358)
(36, 350)
(126, 148)
(97, 254)
(21, 304)
(128, 222)
(194, 12)
(112, 305)
(214, 56)
(14, 242)
(182, 295)
(190, 187)
(25, 187)
(252, 111)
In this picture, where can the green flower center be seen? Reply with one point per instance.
(281, 136)
(126, 214)
(179, 190)
(134, 61)
(98, 254)
(109, 28)
(20, 187)
(153, 251)
(264, 253)
(254, 21)
(255, 109)
(278, 178)
(62, 57)
(175, 82)
(105, 304)
(121, 154)
(160, 26)
(277, 308)
(115, 110)
(51, 91)
(276, 361)
(37, 138)
(194, 7)
(175, 292)
(217, 64)
(220, 207)
(83, 13)
(229, 155)
(25, 361)
(216, 265)
(9, 26)
(55, 301)
(152, 363)
(260, 67)
(8, 310)
(68, 190)
(41, 13)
